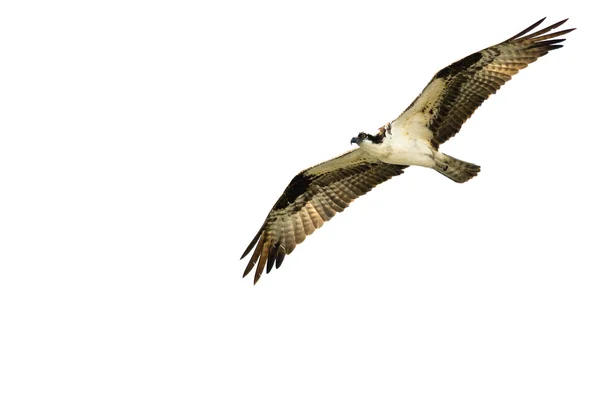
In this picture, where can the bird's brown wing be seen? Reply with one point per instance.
(456, 91)
(312, 198)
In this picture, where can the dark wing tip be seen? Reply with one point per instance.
(547, 44)
(266, 254)
(259, 239)
(557, 24)
(280, 257)
(257, 276)
(290, 221)
(529, 29)
(253, 242)
(566, 31)
(521, 35)
(248, 269)
(271, 259)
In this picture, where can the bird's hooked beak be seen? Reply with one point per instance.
(358, 139)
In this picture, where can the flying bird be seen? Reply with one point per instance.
(316, 194)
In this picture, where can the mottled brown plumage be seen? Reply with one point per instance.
(465, 84)
(315, 195)
(328, 188)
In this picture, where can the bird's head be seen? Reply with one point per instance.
(365, 138)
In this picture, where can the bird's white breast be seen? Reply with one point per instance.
(408, 143)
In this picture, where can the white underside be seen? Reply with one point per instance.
(407, 144)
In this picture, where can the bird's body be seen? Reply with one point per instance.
(404, 144)
(408, 142)
(316, 194)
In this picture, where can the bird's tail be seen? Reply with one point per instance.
(457, 170)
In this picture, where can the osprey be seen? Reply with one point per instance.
(316, 194)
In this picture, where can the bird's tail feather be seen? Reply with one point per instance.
(457, 170)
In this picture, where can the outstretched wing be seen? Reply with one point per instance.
(312, 198)
(456, 91)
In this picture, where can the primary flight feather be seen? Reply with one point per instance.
(316, 194)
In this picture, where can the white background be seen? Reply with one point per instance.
(143, 143)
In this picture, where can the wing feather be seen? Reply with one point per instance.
(312, 198)
(456, 91)
(315, 195)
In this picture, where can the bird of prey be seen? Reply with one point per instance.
(316, 194)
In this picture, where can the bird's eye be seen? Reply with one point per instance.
(362, 135)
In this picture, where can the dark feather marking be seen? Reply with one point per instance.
(377, 138)
(542, 31)
(467, 88)
(255, 255)
(253, 242)
(329, 193)
(261, 263)
(271, 259)
(295, 189)
(280, 256)
(529, 29)
(459, 66)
